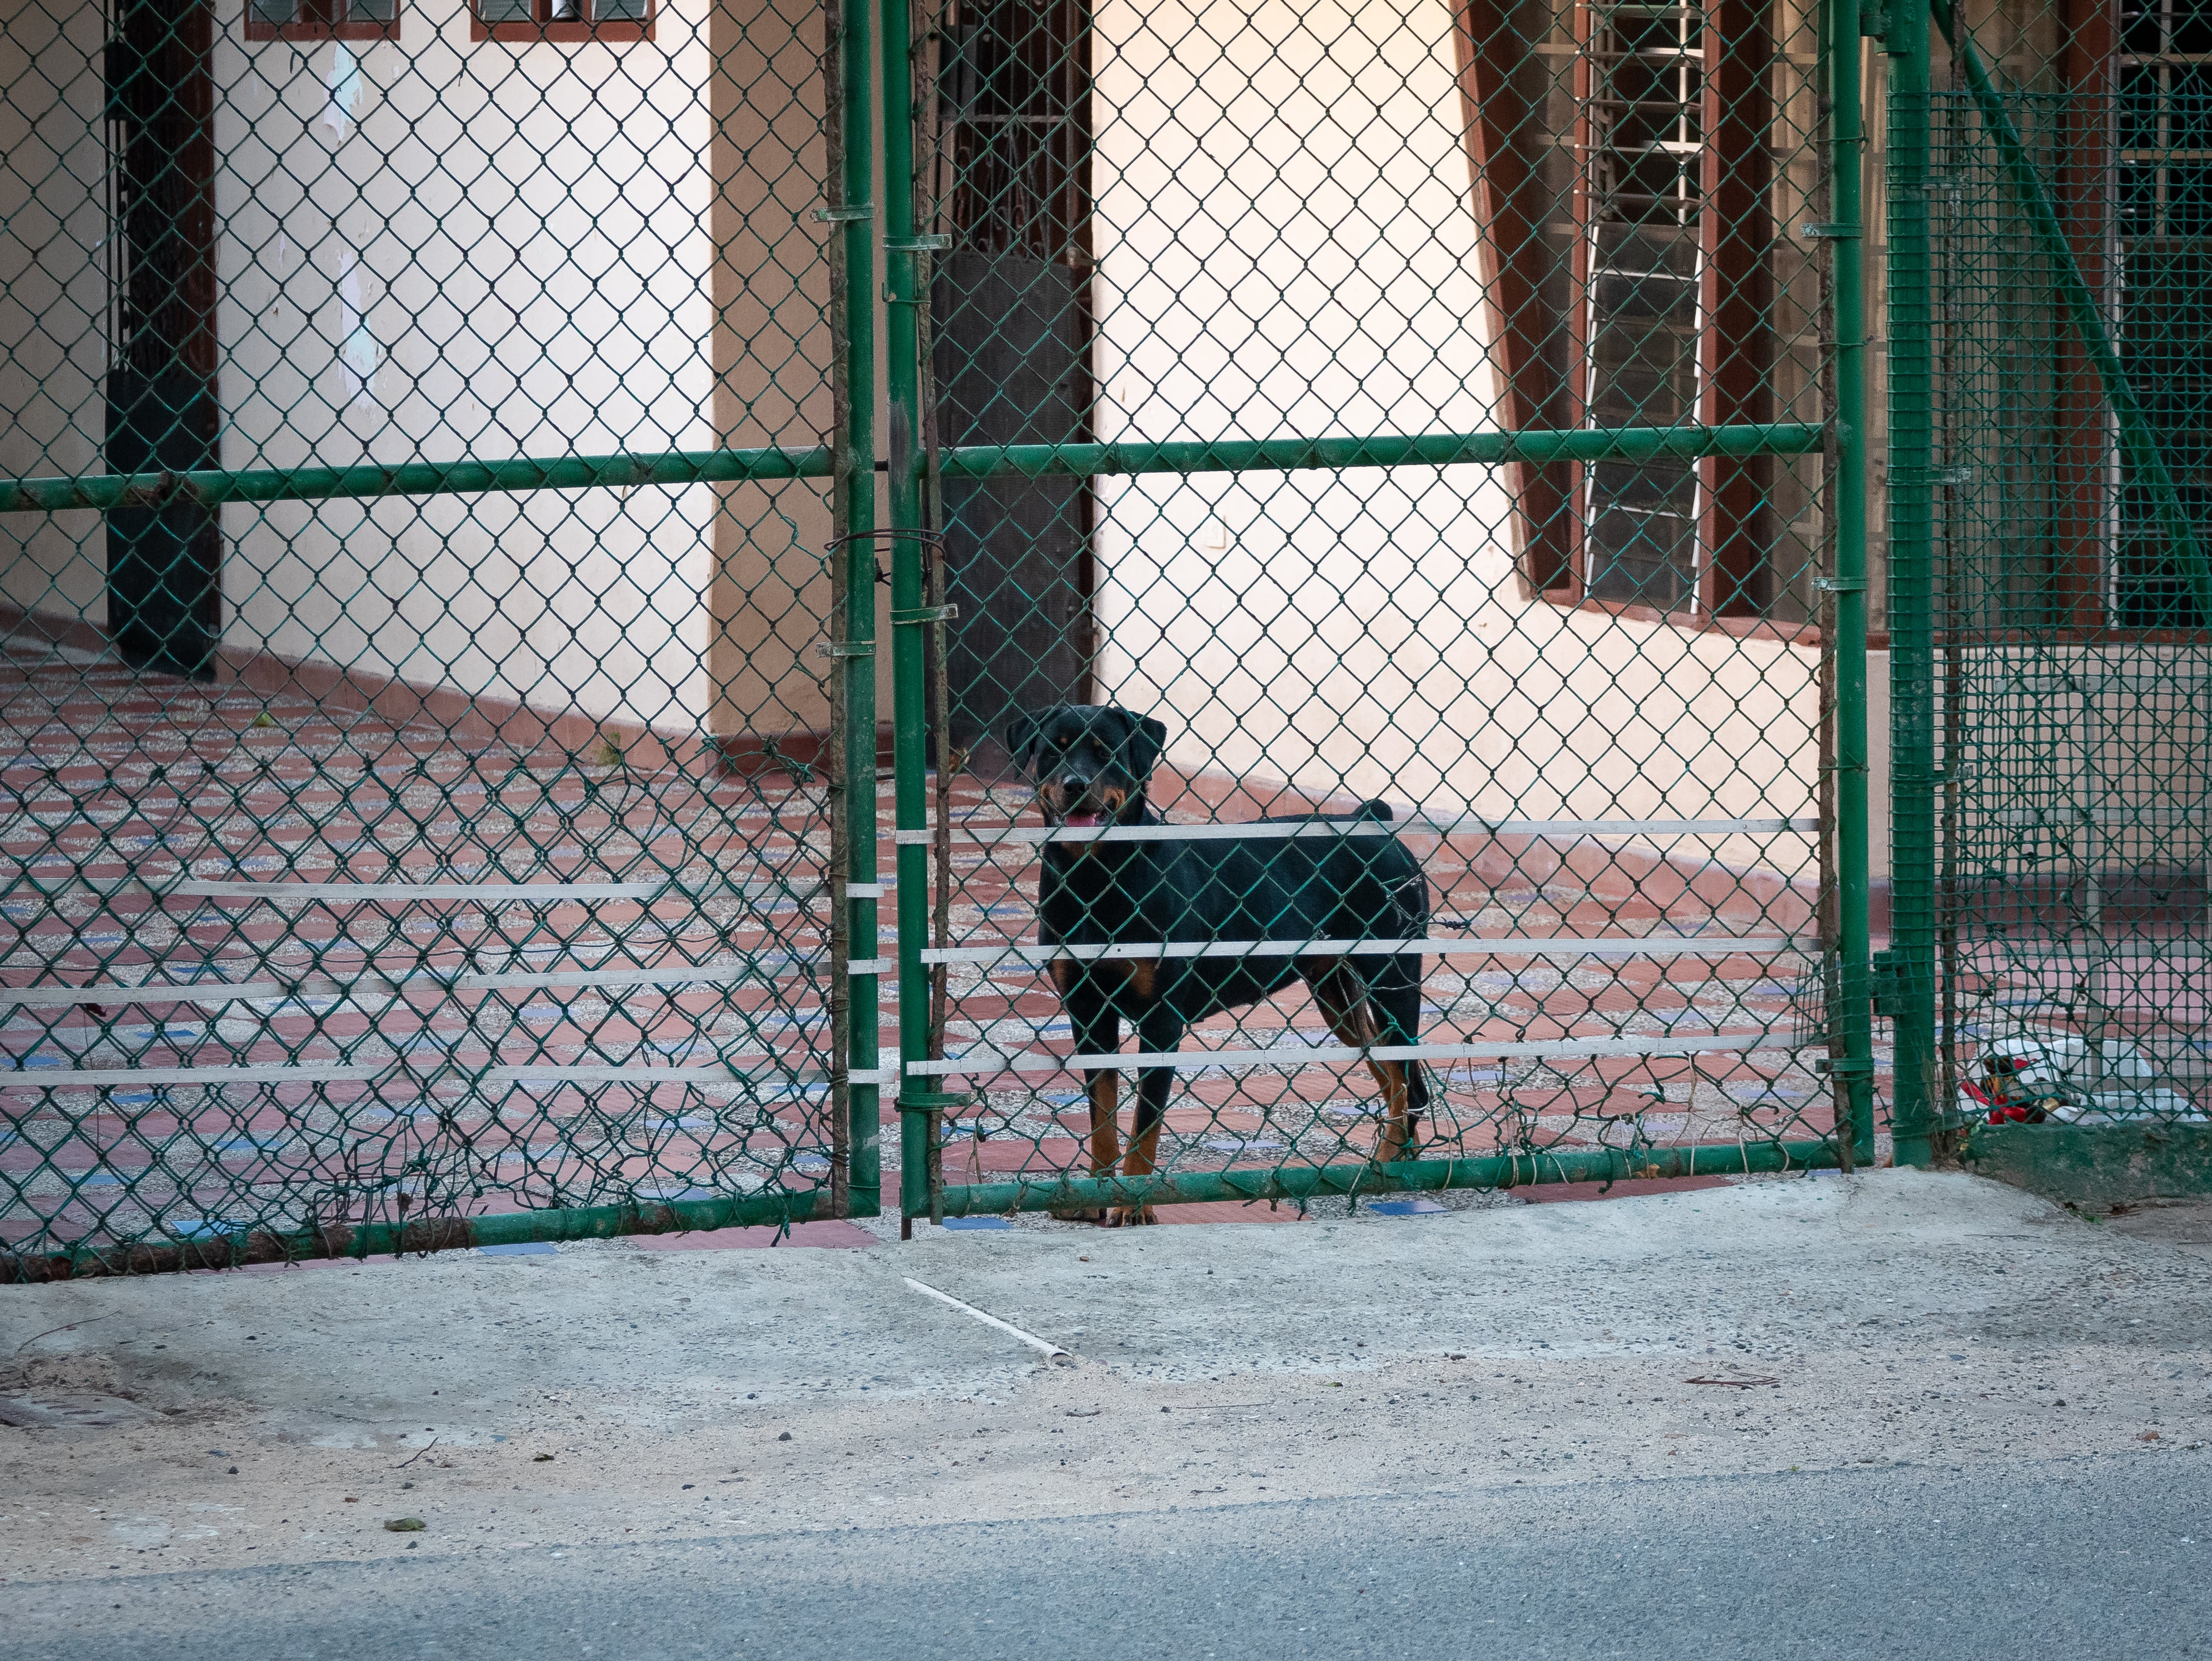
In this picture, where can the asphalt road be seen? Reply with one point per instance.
(2105, 1557)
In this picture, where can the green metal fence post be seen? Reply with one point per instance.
(910, 727)
(1854, 1027)
(858, 487)
(1912, 589)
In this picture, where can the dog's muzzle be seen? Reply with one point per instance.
(1080, 805)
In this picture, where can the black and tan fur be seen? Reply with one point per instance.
(1092, 766)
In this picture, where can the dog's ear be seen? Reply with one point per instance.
(1021, 734)
(1147, 738)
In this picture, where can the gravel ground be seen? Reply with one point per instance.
(606, 1395)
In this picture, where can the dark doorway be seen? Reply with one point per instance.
(1011, 321)
(164, 607)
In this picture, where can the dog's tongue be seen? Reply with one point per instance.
(1082, 821)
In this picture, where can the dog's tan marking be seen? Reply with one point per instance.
(1104, 1090)
(1144, 1155)
(1344, 1005)
(1351, 1020)
(1142, 1160)
(1142, 976)
(1398, 1133)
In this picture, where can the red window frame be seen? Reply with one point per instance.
(544, 25)
(1502, 94)
(1541, 336)
(324, 20)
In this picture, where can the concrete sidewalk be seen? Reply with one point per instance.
(607, 1393)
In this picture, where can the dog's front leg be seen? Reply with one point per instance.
(1097, 1032)
(1159, 1031)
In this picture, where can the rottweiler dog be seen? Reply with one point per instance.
(1090, 766)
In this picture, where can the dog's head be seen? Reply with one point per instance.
(1090, 763)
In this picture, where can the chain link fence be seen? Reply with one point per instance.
(2050, 594)
(422, 424)
(474, 475)
(1415, 420)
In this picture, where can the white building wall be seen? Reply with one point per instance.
(1286, 242)
(441, 248)
(53, 296)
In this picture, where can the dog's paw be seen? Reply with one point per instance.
(1132, 1216)
(1080, 1215)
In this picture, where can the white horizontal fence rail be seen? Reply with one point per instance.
(1191, 1060)
(424, 893)
(1346, 826)
(418, 893)
(209, 994)
(383, 987)
(270, 1073)
(1728, 946)
(427, 893)
(283, 1073)
(676, 974)
(618, 1073)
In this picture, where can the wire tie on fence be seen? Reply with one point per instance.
(941, 242)
(1839, 233)
(848, 214)
(839, 648)
(898, 531)
(934, 1101)
(927, 614)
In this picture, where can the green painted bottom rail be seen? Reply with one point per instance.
(424, 1234)
(1411, 1177)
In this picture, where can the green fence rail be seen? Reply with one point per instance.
(436, 469)
(1116, 246)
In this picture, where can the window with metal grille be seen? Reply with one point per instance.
(1625, 181)
(322, 20)
(561, 20)
(1643, 133)
(2164, 184)
(1677, 328)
